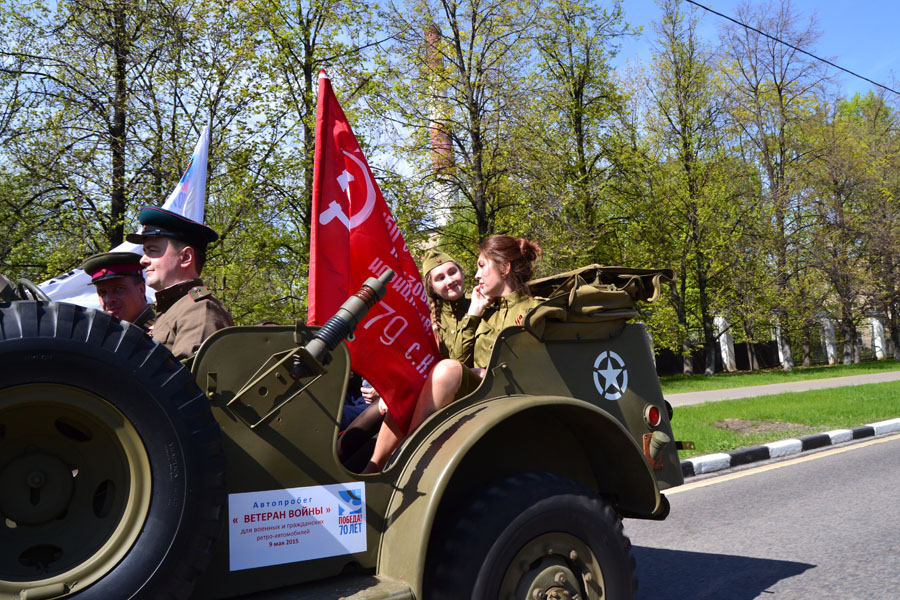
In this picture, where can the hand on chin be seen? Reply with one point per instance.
(480, 301)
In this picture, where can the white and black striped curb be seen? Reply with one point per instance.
(716, 462)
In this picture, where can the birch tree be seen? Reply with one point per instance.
(773, 94)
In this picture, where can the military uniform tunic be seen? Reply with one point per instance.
(187, 314)
(145, 319)
(452, 327)
(481, 332)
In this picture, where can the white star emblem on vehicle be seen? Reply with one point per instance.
(610, 375)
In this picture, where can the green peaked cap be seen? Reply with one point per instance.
(161, 222)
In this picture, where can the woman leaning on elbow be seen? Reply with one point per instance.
(501, 299)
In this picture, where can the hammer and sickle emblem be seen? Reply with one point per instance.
(334, 210)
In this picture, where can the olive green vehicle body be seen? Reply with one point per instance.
(544, 416)
(538, 409)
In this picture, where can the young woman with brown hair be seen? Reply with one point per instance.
(445, 288)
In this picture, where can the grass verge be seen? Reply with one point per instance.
(731, 424)
(676, 384)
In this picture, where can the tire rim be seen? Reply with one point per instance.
(553, 566)
(75, 487)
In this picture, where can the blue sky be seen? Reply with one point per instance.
(858, 35)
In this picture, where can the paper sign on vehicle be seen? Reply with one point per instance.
(275, 527)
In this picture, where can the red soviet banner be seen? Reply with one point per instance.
(354, 237)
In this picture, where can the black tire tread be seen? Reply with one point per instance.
(126, 346)
(453, 557)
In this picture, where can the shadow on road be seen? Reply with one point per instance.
(676, 575)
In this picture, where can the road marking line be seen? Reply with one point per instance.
(778, 465)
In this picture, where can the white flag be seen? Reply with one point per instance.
(189, 196)
(187, 199)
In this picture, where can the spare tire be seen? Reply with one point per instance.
(111, 464)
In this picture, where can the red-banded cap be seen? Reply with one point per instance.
(113, 264)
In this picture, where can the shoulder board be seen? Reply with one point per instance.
(198, 293)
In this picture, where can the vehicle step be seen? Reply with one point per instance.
(358, 587)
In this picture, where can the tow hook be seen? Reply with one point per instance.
(653, 443)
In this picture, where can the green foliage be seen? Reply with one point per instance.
(570, 131)
(774, 204)
(249, 70)
(460, 72)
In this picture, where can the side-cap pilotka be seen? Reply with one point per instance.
(108, 265)
(434, 258)
(161, 222)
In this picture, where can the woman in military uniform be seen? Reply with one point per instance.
(445, 288)
(501, 299)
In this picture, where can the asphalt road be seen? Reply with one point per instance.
(820, 526)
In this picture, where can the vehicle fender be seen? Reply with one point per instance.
(499, 437)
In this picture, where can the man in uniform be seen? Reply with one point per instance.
(174, 255)
(119, 279)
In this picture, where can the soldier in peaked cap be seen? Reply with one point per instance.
(174, 255)
(119, 279)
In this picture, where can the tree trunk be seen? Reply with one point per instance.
(787, 362)
(687, 360)
(752, 359)
(709, 333)
(848, 351)
(710, 347)
(848, 329)
(116, 230)
(895, 341)
(806, 347)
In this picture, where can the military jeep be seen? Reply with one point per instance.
(125, 473)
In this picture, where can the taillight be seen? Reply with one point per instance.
(652, 415)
